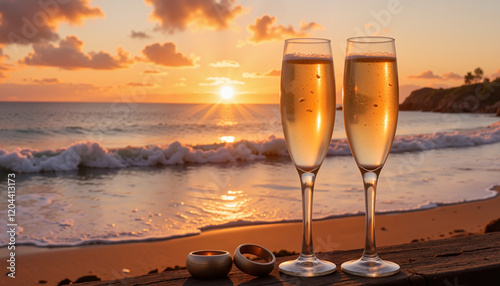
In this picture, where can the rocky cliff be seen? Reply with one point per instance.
(476, 98)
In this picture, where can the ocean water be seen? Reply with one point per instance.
(115, 172)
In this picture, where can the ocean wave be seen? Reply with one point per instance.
(439, 140)
(94, 155)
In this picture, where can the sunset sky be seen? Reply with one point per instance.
(188, 50)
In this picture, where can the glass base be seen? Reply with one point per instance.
(370, 267)
(307, 267)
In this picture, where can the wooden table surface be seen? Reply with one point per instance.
(459, 261)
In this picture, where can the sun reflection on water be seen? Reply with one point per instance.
(227, 139)
(226, 123)
(230, 206)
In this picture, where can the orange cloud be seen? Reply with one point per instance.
(181, 82)
(425, 75)
(270, 73)
(309, 26)
(220, 81)
(2, 74)
(225, 63)
(264, 29)
(155, 72)
(166, 55)
(495, 75)
(4, 67)
(430, 75)
(34, 21)
(141, 84)
(451, 75)
(69, 56)
(51, 80)
(177, 15)
(38, 91)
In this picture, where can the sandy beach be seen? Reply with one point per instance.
(114, 261)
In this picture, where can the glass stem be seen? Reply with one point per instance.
(307, 182)
(370, 180)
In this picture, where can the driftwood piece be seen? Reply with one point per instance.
(466, 260)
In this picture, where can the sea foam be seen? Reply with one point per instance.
(94, 155)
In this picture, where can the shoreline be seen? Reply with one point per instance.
(118, 260)
(33, 248)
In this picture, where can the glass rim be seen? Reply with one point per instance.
(307, 40)
(371, 39)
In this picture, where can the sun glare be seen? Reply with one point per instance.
(227, 92)
(228, 139)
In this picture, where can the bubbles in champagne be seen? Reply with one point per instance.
(308, 109)
(370, 108)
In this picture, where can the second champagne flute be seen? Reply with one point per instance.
(307, 104)
(370, 107)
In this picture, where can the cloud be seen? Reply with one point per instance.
(452, 75)
(4, 67)
(178, 15)
(495, 75)
(139, 35)
(52, 80)
(141, 84)
(220, 81)
(309, 26)
(430, 75)
(155, 72)
(264, 29)
(166, 55)
(181, 82)
(35, 21)
(37, 91)
(270, 73)
(69, 55)
(225, 63)
(425, 75)
(2, 74)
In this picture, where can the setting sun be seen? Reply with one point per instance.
(227, 92)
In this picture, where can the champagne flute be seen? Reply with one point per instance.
(370, 107)
(307, 104)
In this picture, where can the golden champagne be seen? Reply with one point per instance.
(370, 108)
(307, 109)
